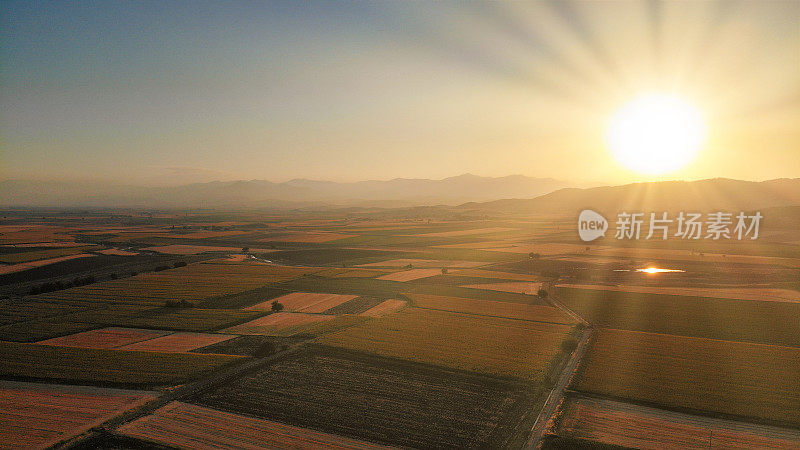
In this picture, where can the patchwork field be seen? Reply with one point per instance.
(755, 321)
(737, 378)
(384, 308)
(468, 232)
(422, 263)
(39, 329)
(351, 273)
(36, 255)
(547, 249)
(626, 425)
(175, 319)
(517, 287)
(39, 263)
(191, 426)
(492, 308)
(306, 237)
(490, 345)
(304, 302)
(116, 252)
(380, 400)
(192, 283)
(356, 306)
(482, 273)
(119, 367)
(40, 415)
(17, 311)
(739, 293)
(138, 339)
(278, 322)
(291, 324)
(410, 275)
(105, 338)
(182, 249)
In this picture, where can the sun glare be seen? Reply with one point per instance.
(656, 134)
(654, 270)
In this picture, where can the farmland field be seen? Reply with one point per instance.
(182, 249)
(518, 287)
(352, 273)
(306, 237)
(492, 308)
(627, 425)
(739, 293)
(178, 342)
(103, 366)
(138, 339)
(398, 329)
(105, 338)
(293, 324)
(756, 321)
(714, 376)
(192, 426)
(409, 275)
(483, 273)
(192, 283)
(51, 253)
(489, 345)
(18, 267)
(176, 319)
(304, 302)
(356, 306)
(278, 322)
(40, 415)
(39, 329)
(386, 401)
(422, 263)
(384, 308)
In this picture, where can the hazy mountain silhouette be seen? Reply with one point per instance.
(718, 194)
(266, 194)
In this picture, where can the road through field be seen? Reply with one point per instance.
(182, 392)
(557, 392)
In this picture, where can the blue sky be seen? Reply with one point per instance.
(173, 92)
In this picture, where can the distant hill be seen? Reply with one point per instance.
(718, 194)
(400, 192)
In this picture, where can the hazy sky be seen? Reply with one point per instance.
(173, 92)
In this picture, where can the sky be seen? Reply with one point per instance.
(174, 92)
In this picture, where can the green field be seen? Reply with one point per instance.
(119, 367)
(489, 345)
(708, 375)
(717, 318)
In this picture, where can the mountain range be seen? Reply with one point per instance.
(717, 194)
(400, 192)
(466, 193)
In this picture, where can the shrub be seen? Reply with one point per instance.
(277, 306)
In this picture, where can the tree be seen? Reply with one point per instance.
(277, 306)
(542, 294)
(533, 255)
(569, 345)
(444, 270)
(245, 250)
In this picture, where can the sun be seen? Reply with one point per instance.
(656, 134)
